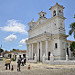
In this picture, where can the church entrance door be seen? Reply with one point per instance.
(39, 55)
(49, 55)
(33, 56)
(67, 52)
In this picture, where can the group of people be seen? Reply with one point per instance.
(20, 62)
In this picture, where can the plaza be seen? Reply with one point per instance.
(37, 32)
(38, 69)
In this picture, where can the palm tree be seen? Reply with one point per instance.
(74, 15)
(72, 30)
(72, 48)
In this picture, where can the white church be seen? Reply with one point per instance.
(47, 40)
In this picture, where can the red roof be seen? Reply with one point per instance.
(69, 41)
(22, 51)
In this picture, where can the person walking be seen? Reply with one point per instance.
(25, 61)
(7, 63)
(18, 65)
(22, 62)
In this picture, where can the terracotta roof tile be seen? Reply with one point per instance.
(17, 51)
(69, 41)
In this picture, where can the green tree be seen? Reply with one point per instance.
(6, 51)
(1, 50)
(14, 50)
(72, 30)
(72, 48)
(74, 15)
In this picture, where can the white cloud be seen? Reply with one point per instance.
(11, 38)
(0, 27)
(14, 26)
(23, 41)
(20, 45)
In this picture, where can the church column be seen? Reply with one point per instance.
(46, 48)
(37, 50)
(41, 50)
(29, 50)
(32, 50)
(27, 53)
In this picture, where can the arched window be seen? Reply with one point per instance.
(54, 13)
(60, 13)
(41, 14)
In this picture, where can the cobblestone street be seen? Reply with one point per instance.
(38, 69)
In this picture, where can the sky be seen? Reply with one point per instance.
(16, 14)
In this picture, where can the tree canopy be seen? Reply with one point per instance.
(72, 30)
(72, 48)
(1, 50)
(15, 49)
(74, 15)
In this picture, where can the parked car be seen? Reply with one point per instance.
(1, 58)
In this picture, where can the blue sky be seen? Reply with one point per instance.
(16, 14)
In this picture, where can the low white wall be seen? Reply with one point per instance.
(52, 61)
(60, 62)
(30, 60)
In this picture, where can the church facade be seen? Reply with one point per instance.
(47, 36)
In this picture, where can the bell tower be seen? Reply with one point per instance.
(42, 14)
(58, 29)
(57, 10)
(58, 18)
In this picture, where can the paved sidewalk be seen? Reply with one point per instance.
(38, 69)
(40, 65)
